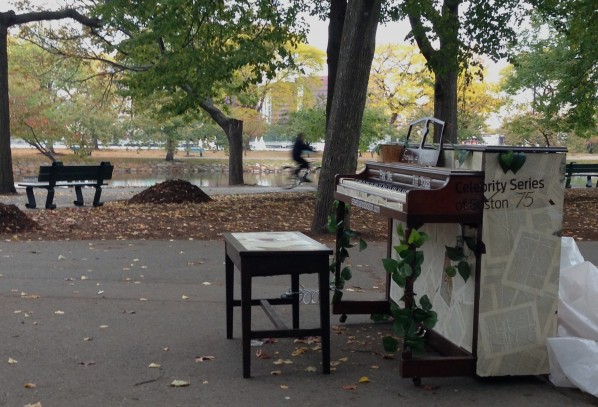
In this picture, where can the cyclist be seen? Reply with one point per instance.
(298, 148)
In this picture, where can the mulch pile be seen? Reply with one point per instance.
(172, 191)
(13, 220)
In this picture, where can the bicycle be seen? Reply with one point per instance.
(293, 179)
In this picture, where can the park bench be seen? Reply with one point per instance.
(75, 176)
(574, 169)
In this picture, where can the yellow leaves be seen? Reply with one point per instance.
(311, 369)
(12, 361)
(364, 379)
(283, 362)
(38, 404)
(299, 351)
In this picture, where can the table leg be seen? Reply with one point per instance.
(229, 278)
(295, 299)
(324, 279)
(246, 321)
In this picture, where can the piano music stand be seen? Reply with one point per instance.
(424, 155)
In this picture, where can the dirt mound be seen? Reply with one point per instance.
(13, 220)
(172, 191)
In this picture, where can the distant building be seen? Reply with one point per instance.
(291, 96)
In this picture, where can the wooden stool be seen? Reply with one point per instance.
(263, 254)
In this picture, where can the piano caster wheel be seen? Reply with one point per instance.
(343, 318)
(417, 381)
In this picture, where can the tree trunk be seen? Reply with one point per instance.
(350, 92)
(444, 62)
(7, 183)
(234, 133)
(10, 19)
(338, 9)
(233, 129)
(445, 105)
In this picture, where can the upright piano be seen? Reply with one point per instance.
(414, 195)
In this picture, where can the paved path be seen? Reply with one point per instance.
(85, 321)
(82, 322)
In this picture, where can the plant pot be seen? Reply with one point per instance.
(390, 153)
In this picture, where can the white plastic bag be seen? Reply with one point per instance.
(574, 363)
(573, 356)
(570, 254)
(578, 301)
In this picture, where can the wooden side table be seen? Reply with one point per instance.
(263, 254)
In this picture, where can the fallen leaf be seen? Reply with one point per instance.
(184, 297)
(284, 386)
(282, 361)
(299, 351)
(260, 354)
(199, 359)
(29, 385)
(350, 387)
(206, 283)
(276, 372)
(154, 366)
(59, 312)
(38, 404)
(89, 363)
(103, 326)
(311, 369)
(87, 339)
(180, 383)
(12, 361)
(61, 257)
(364, 379)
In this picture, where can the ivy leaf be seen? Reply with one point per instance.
(455, 253)
(406, 269)
(425, 302)
(451, 271)
(362, 244)
(390, 344)
(505, 159)
(346, 274)
(518, 161)
(464, 269)
(414, 237)
(390, 265)
(462, 155)
(471, 243)
(401, 248)
(400, 279)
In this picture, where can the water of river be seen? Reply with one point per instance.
(206, 179)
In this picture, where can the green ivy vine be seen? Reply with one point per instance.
(410, 321)
(343, 243)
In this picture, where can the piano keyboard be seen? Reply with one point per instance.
(373, 194)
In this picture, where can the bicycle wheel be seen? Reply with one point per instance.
(292, 181)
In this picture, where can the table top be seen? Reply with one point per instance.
(263, 242)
